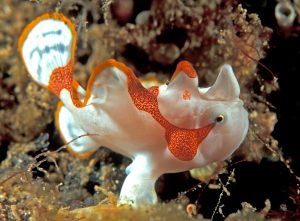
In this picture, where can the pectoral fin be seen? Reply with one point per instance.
(79, 142)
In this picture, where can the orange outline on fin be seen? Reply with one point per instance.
(78, 155)
(187, 68)
(100, 67)
(32, 24)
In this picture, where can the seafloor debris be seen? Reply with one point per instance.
(207, 33)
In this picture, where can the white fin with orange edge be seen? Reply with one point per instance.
(47, 43)
(47, 48)
(106, 82)
(79, 143)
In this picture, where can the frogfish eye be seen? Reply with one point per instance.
(220, 118)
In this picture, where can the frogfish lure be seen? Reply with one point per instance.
(163, 129)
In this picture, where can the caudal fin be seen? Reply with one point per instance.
(47, 47)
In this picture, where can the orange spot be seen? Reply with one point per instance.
(185, 67)
(186, 95)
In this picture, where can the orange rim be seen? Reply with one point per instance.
(78, 155)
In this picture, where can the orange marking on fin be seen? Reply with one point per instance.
(107, 64)
(187, 68)
(61, 78)
(186, 95)
(54, 15)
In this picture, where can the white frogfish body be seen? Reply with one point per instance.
(163, 129)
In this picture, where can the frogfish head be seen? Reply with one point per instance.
(225, 108)
(185, 105)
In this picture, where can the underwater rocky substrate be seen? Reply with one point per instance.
(259, 176)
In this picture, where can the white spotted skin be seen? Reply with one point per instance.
(47, 46)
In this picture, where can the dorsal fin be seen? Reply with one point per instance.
(226, 86)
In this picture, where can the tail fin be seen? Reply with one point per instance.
(47, 47)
